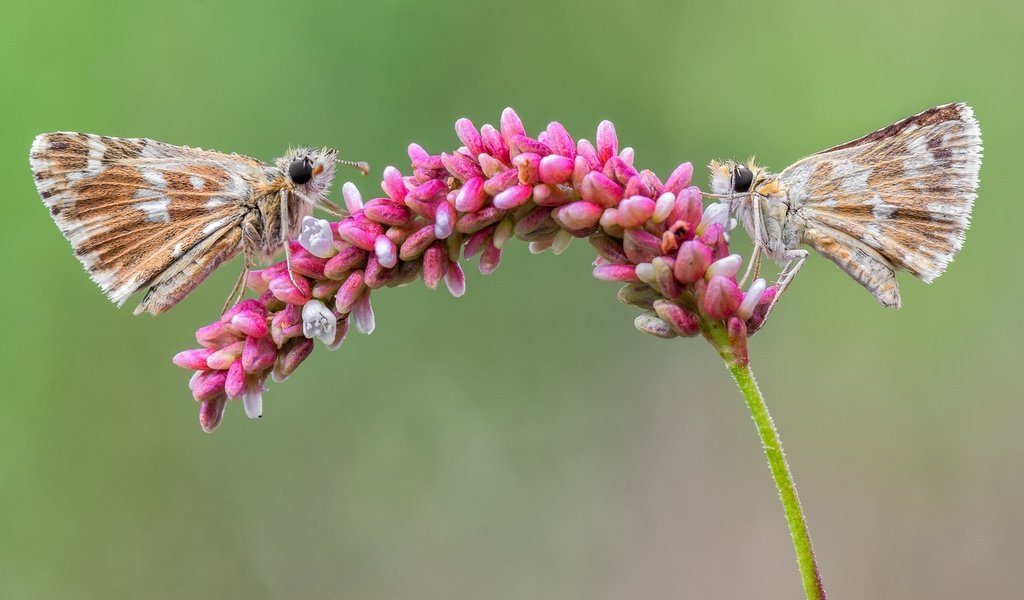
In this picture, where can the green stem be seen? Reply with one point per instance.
(740, 369)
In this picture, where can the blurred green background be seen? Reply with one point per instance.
(523, 441)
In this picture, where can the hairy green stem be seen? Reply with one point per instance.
(740, 369)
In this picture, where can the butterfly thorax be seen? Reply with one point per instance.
(262, 232)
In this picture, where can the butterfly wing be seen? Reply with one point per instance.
(905, 191)
(133, 209)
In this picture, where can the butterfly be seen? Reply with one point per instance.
(145, 214)
(898, 199)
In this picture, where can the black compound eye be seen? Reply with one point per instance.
(300, 170)
(741, 179)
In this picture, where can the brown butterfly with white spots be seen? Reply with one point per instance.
(144, 214)
(896, 199)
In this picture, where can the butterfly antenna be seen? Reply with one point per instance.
(363, 167)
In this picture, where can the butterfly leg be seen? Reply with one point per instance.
(284, 236)
(796, 258)
(758, 246)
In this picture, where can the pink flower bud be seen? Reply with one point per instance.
(258, 354)
(692, 261)
(679, 179)
(292, 356)
(609, 247)
(385, 251)
(417, 243)
(490, 165)
(586, 150)
(528, 145)
(349, 292)
(623, 172)
(725, 267)
(496, 184)
(664, 277)
(286, 291)
(639, 245)
(467, 132)
(513, 196)
(455, 279)
(460, 166)
(234, 385)
(528, 164)
(387, 212)
(511, 125)
(494, 144)
(362, 315)
(194, 359)
(751, 299)
(471, 196)
(634, 212)
(478, 240)
(578, 215)
(222, 359)
(684, 322)
(435, 263)
(211, 412)
(607, 141)
(209, 385)
(555, 169)
(444, 220)
(358, 236)
(560, 141)
(349, 258)
(353, 199)
(490, 258)
(663, 207)
(722, 297)
(624, 273)
(651, 324)
(599, 189)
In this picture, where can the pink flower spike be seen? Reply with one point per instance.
(692, 261)
(607, 141)
(460, 166)
(211, 412)
(455, 279)
(392, 184)
(386, 252)
(234, 385)
(209, 385)
(555, 169)
(444, 221)
(725, 267)
(494, 144)
(751, 299)
(634, 212)
(578, 215)
(194, 359)
(623, 273)
(471, 196)
(353, 199)
(513, 196)
(599, 189)
(250, 322)
(679, 179)
(435, 261)
(258, 354)
(528, 165)
(663, 207)
(511, 125)
(349, 292)
(286, 291)
(722, 297)
(362, 315)
(467, 132)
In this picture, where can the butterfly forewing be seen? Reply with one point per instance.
(905, 191)
(141, 213)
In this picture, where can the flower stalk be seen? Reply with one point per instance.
(772, 444)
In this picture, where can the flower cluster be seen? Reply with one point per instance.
(656, 237)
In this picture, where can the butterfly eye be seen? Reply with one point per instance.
(742, 177)
(300, 170)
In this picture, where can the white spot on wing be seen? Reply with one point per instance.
(215, 201)
(196, 181)
(214, 226)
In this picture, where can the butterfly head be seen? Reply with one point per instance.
(310, 172)
(735, 182)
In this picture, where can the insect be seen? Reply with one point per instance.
(144, 214)
(896, 199)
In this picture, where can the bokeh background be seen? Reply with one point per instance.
(523, 441)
